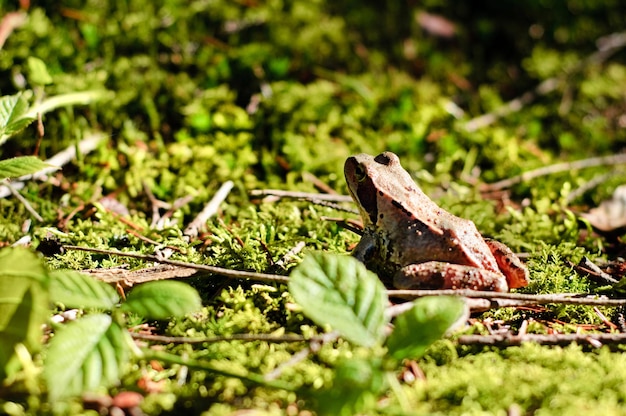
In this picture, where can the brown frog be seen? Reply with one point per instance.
(408, 237)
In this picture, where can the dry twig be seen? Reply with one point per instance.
(508, 340)
(309, 196)
(562, 298)
(618, 159)
(607, 46)
(63, 157)
(209, 210)
(234, 274)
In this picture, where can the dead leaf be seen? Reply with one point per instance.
(127, 279)
(610, 215)
(436, 25)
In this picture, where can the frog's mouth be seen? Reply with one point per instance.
(361, 189)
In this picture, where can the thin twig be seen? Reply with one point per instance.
(63, 157)
(618, 159)
(235, 337)
(291, 254)
(562, 298)
(607, 46)
(314, 346)
(590, 184)
(507, 340)
(310, 196)
(24, 201)
(209, 210)
(234, 274)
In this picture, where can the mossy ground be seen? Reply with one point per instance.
(264, 94)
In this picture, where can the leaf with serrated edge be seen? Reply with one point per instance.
(161, 300)
(85, 354)
(426, 322)
(76, 290)
(13, 114)
(20, 166)
(339, 291)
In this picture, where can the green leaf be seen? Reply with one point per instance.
(161, 300)
(13, 115)
(23, 303)
(84, 355)
(426, 322)
(76, 290)
(339, 291)
(20, 166)
(37, 72)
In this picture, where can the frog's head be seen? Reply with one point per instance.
(370, 178)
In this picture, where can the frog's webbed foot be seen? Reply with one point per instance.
(442, 275)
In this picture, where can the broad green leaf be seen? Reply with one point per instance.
(76, 290)
(23, 302)
(163, 299)
(84, 355)
(20, 166)
(339, 291)
(37, 72)
(13, 115)
(426, 322)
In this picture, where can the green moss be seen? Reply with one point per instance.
(537, 379)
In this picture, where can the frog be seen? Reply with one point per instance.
(413, 243)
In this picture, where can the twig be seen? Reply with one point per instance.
(63, 157)
(592, 271)
(310, 196)
(291, 254)
(235, 337)
(308, 176)
(607, 46)
(24, 201)
(314, 346)
(590, 184)
(562, 298)
(234, 274)
(618, 159)
(507, 340)
(209, 210)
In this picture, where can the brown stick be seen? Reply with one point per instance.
(235, 274)
(618, 159)
(562, 298)
(509, 340)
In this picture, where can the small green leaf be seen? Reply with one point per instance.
(76, 290)
(37, 72)
(20, 166)
(426, 322)
(23, 303)
(84, 355)
(339, 291)
(161, 300)
(13, 115)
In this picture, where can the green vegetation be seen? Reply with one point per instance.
(177, 98)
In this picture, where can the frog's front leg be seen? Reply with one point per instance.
(442, 275)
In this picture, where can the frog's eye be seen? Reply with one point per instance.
(359, 173)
